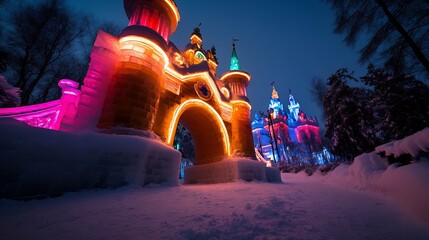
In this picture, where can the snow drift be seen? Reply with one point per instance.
(408, 185)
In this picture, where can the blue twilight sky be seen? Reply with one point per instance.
(287, 42)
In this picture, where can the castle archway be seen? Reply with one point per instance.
(208, 131)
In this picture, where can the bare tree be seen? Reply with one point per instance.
(3, 53)
(398, 30)
(40, 42)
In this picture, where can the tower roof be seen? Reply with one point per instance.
(196, 37)
(235, 65)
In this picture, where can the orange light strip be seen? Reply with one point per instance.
(242, 102)
(199, 103)
(147, 43)
(230, 73)
(212, 62)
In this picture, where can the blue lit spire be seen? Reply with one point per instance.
(275, 102)
(235, 65)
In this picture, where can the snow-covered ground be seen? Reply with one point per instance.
(366, 200)
(300, 208)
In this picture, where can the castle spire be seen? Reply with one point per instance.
(274, 94)
(235, 65)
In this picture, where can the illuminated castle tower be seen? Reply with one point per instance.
(275, 103)
(134, 92)
(237, 81)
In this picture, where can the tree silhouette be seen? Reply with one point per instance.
(46, 42)
(398, 30)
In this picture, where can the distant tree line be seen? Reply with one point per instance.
(43, 42)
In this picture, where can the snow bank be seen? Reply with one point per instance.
(39, 162)
(413, 145)
(410, 186)
(407, 185)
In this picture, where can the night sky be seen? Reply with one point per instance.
(286, 42)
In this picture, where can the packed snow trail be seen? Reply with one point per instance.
(296, 209)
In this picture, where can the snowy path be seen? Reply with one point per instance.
(293, 210)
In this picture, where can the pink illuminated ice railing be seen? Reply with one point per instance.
(50, 114)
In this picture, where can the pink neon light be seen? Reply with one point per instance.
(306, 129)
(63, 83)
(50, 114)
(68, 92)
(33, 109)
(41, 120)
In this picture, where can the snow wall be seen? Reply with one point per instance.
(37, 162)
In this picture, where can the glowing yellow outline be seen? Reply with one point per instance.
(175, 10)
(199, 75)
(244, 74)
(195, 36)
(149, 43)
(197, 102)
(212, 62)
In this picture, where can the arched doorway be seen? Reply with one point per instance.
(208, 131)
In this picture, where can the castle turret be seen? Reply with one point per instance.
(195, 54)
(237, 81)
(161, 16)
(134, 92)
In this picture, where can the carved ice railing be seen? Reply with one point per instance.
(51, 114)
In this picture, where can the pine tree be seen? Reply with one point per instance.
(184, 143)
(350, 121)
(400, 103)
(397, 30)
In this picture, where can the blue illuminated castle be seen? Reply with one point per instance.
(283, 133)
